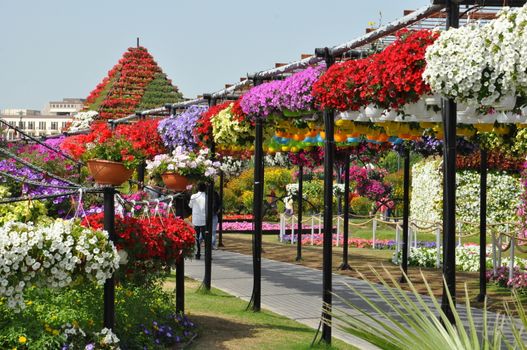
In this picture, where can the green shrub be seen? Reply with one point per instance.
(361, 205)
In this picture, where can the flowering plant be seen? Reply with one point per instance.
(143, 136)
(296, 90)
(178, 129)
(148, 245)
(263, 100)
(115, 150)
(82, 120)
(397, 71)
(203, 129)
(229, 129)
(194, 165)
(52, 255)
(232, 167)
(369, 182)
(344, 86)
(307, 158)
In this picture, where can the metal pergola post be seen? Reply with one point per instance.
(345, 264)
(327, 251)
(109, 284)
(180, 265)
(449, 187)
(257, 215)
(483, 226)
(300, 209)
(406, 213)
(207, 277)
(220, 214)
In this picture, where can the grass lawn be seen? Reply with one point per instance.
(224, 324)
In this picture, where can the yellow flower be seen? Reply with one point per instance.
(29, 302)
(55, 332)
(22, 339)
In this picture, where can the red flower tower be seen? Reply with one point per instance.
(136, 82)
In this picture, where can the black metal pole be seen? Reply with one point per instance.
(483, 226)
(207, 277)
(449, 187)
(109, 285)
(329, 150)
(180, 265)
(220, 214)
(339, 181)
(257, 214)
(141, 174)
(345, 264)
(406, 212)
(300, 209)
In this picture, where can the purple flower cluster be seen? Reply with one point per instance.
(429, 146)
(296, 89)
(178, 130)
(10, 166)
(292, 93)
(164, 334)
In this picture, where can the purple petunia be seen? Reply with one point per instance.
(178, 130)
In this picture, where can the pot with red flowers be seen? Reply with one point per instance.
(113, 161)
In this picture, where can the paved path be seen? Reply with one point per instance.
(290, 290)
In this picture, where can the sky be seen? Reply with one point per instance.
(64, 48)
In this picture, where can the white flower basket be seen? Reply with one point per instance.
(488, 118)
(348, 115)
(506, 103)
(372, 112)
(418, 109)
(433, 100)
(387, 115)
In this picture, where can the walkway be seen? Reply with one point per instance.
(290, 290)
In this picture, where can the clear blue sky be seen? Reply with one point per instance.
(63, 48)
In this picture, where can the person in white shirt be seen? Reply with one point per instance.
(198, 204)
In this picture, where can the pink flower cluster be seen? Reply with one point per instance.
(518, 280)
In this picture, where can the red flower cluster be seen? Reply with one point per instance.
(388, 79)
(344, 86)
(309, 159)
(496, 161)
(203, 130)
(164, 240)
(143, 135)
(76, 145)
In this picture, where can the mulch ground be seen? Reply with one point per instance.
(363, 260)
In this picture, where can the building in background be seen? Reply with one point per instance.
(53, 119)
(68, 106)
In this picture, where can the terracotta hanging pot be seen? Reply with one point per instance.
(175, 182)
(106, 172)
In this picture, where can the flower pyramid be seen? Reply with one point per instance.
(135, 83)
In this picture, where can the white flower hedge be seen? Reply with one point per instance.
(51, 255)
(467, 258)
(503, 195)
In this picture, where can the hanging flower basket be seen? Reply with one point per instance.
(373, 112)
(433, 100)
(106, 172)
(505, 103)
(175, 182)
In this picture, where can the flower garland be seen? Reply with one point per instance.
(51, 255)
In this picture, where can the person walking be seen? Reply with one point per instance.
(198, 204)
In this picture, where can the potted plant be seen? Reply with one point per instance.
(113, 161)
(180, 168)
